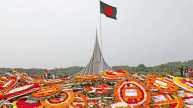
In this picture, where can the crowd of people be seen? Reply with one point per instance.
(186, 71)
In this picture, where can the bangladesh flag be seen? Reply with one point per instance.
(108, 10)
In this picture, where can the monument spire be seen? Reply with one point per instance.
(97, 62)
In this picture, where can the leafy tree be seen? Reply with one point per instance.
(141, 67)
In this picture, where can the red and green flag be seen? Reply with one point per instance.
(108, 10)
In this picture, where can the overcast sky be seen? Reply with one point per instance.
(61, 33)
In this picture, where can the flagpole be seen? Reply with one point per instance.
(100, 26)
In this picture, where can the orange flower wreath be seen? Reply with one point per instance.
(130, 92)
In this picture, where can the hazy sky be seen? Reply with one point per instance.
(61, 33)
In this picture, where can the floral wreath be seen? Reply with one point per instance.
(19, 91)
(86, 77)
(162, 84)
(62, 100)
(184, 83)
(166, 99)
(46, 91)
(130, 92)
(114, 74)
(80, 101)
(6, 83)
(23, 103)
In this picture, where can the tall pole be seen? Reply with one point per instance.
(100, 29)
(100, 25)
